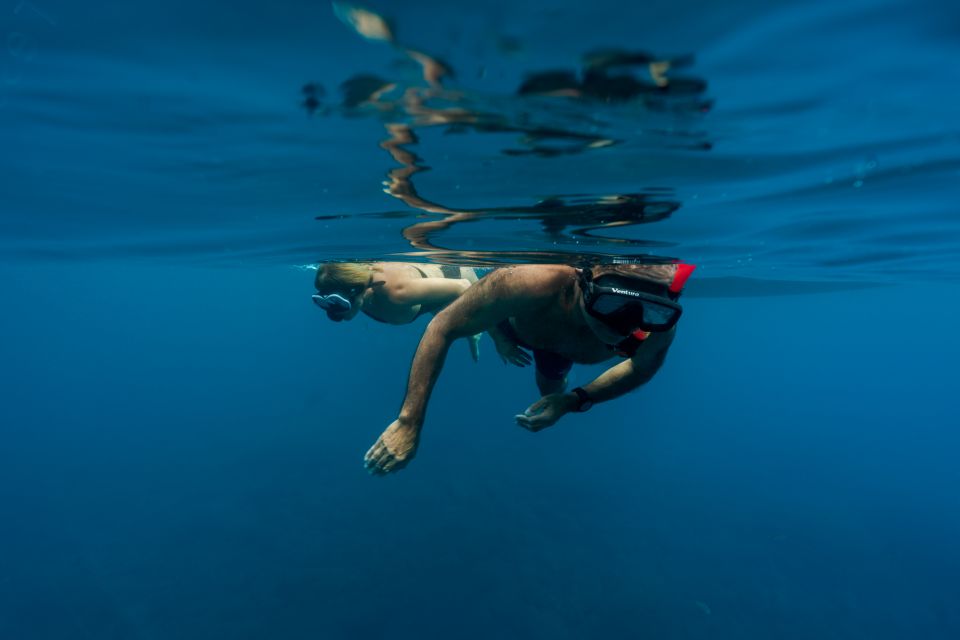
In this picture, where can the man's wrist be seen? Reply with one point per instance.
(581, 400)
(408, 422)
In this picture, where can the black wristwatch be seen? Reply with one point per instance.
(583, 400)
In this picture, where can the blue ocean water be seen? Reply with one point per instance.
(184, 431)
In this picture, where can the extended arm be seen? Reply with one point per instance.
(436, 293)
(494, 299)
(500, 295)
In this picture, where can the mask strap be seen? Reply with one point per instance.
(585, 280)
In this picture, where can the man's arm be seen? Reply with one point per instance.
(612, 383)
(630, 374)
(434, 294)
(503, 293)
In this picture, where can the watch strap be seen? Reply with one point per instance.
(584, 401)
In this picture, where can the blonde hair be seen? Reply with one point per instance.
(337, 276)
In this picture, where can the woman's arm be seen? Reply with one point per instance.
(429, 292)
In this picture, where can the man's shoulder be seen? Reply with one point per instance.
(544, 277)
(532, 282)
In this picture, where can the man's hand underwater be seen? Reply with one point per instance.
(511, 353)
(546, 411)
(393, 450)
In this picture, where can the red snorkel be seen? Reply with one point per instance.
(630, 345)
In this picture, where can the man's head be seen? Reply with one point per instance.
(340, 288)
(658, 277)
(618, 300)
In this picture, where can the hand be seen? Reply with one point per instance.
(511, 353)
(393, 450)
(546, 411)
(474, 343)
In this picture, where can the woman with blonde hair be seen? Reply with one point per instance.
(399, 293)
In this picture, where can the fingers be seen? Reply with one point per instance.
(379, 460)
(530, 419)
(372, 460)
(521, 358)
(512, 354)
(525, 422)
(392, 464)
(537, 407)
(540, 415)
(531, 423)
(374, 451)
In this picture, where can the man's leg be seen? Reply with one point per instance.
(552, 372)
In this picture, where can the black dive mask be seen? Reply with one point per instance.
(626, 304)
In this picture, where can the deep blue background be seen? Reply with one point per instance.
(183, 432)
(182, 458)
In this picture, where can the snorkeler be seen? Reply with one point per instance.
(399, 293)
(565, 316)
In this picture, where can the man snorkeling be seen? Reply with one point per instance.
(564, 316)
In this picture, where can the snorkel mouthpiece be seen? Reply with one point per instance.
(332, 303)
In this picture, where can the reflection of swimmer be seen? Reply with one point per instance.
(556, 214)
(375, 27)
(414, 102)
(312, 93)
(605, 75)
(565, 316)
(604, 78)
(399, 293)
